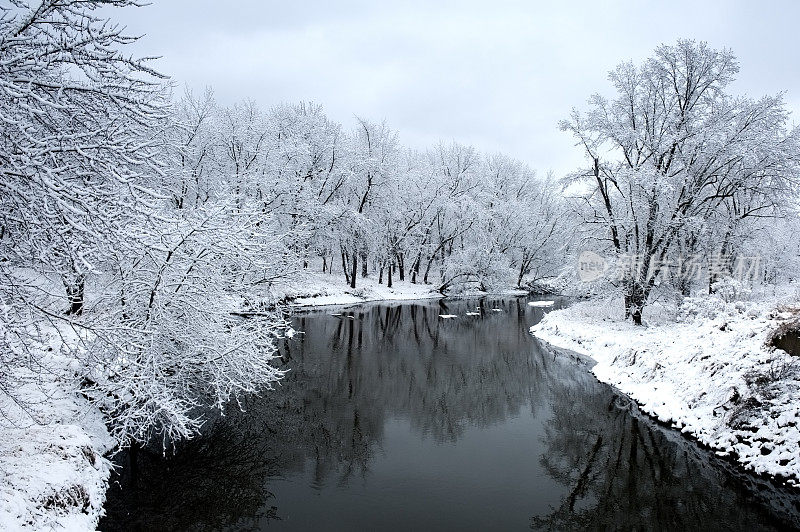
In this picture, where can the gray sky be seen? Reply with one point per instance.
(498, 75)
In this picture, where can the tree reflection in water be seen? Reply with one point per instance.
(623, 472)
(325, 429)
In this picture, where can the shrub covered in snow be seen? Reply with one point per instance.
(730, 289)
(476, 268)
(703, 308)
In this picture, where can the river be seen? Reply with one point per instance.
(393, 418)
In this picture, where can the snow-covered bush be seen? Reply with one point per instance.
(361, 292)
(476, 269)
(729, 289)
(175, 337)
(703, 308)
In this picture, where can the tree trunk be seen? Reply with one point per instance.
(389, 275)
(635, 300)
(75, 295)
(415, 267)
(354, 273)
(685, 285)
(363, 265)
(380, 274)
(344, 267)
(521, 275)
(717, 267)
(428, 268)
(401, 267)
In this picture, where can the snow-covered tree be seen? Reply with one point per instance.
(370, 163)
(158, 206)
(528, 218)
(78, 133)
(307, 176)
(193, 152)
(672, 152)
(78, 127)
(180, 330)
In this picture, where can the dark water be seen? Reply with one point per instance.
(789, 342)
(392, 418)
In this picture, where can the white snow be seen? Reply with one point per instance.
(697, 366)
(515, 292)
(447, 316)
(52, 471)
(541, 303)
(318, 289)
(473, 313)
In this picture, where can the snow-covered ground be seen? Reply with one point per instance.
(704, 367)
(312, 289)
(53, 475)
(319, 289)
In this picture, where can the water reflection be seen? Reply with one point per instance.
(623, 473)
(392, 417)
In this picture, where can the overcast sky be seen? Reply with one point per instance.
(498, 75)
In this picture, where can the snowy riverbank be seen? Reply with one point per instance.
(53, 475)
(321, 289)
(318, 289)
(703, 367)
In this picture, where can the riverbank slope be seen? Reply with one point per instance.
(320, 289)
(312, 289)
(53, 475)
(704, 367)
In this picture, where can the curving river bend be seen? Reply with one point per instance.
(392, 418)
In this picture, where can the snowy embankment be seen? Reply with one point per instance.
(313, 289)
(318, 289)
(704, 367)
(52, 471)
